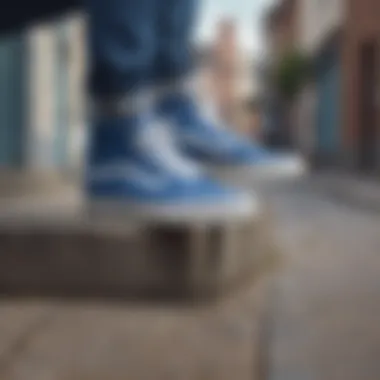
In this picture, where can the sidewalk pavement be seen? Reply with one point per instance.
(324, 316)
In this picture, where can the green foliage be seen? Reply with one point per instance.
(291, 73)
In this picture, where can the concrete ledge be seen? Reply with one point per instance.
(51, 247)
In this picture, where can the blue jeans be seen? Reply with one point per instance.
(133, 43)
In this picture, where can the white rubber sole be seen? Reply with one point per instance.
(242, 208)
(287, 169)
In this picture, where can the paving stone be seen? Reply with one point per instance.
(112, 342)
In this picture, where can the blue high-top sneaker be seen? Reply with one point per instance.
(135, 171)
(207, 140)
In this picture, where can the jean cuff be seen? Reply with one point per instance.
(128, 104)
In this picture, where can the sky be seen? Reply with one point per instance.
(247, 13)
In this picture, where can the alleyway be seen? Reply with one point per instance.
(327, 309)
(325, 315)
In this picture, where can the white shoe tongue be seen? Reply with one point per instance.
(209, 112)
(158, 142)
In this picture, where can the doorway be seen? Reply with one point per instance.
(328, 106)
(368, 111)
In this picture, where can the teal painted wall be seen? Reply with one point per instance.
(13, 100)
(328, 109)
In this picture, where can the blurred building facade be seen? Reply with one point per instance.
(320, 101)
(225, 68)
(282, 28)
(282, 31)
(361, 91)
(226, 78)
(41, 72)
(56, 115)
(337, 119)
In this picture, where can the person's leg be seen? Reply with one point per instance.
(121, 45)
(121, 48)
(133, 166)
(174, 26)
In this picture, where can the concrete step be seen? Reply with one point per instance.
(16, 183)
(51, 246)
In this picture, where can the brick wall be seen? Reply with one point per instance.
(362, 26)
